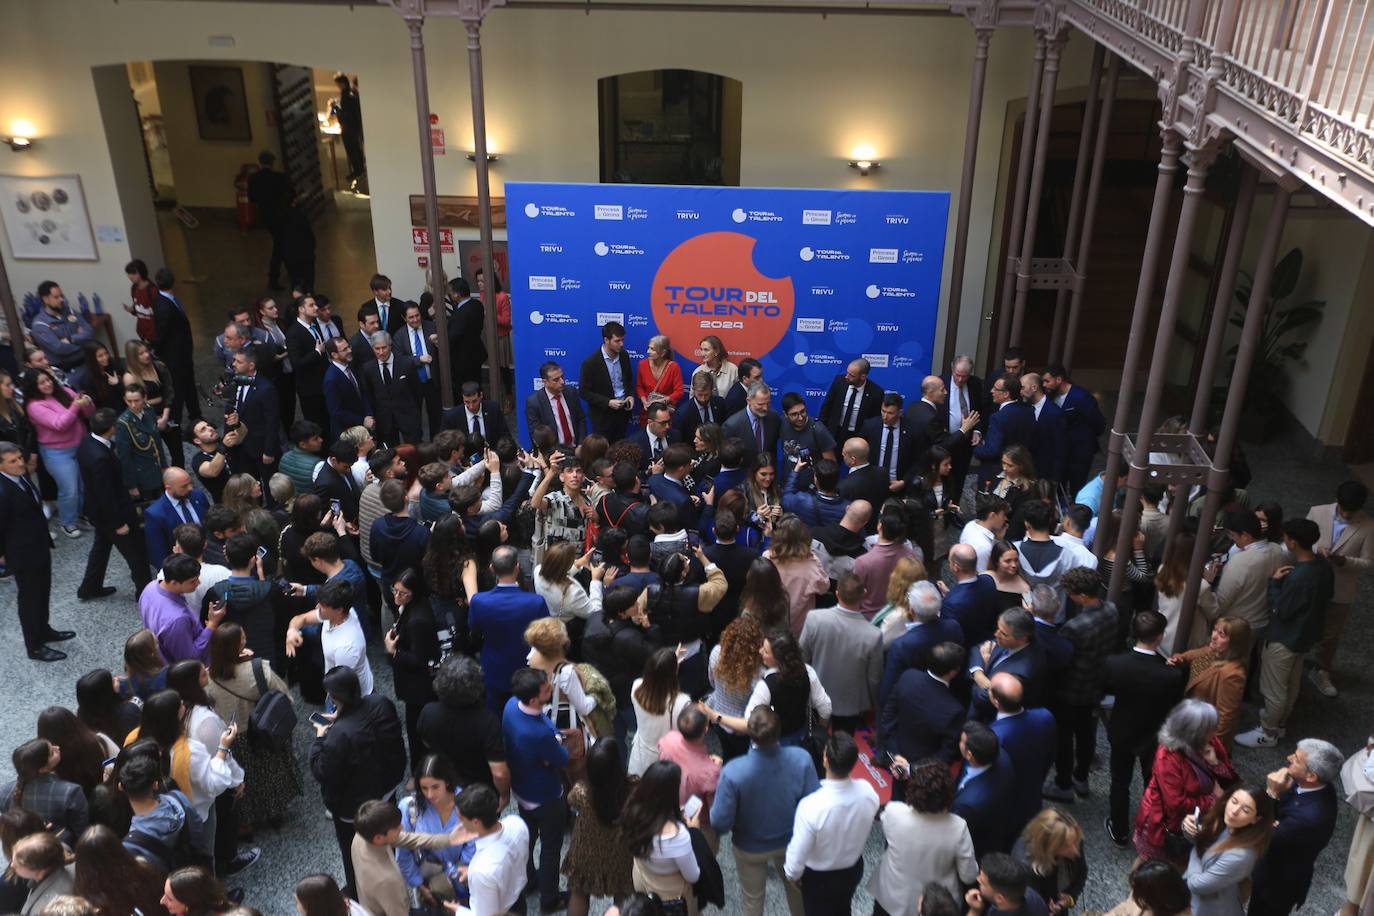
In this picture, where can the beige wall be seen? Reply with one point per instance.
(813, 89)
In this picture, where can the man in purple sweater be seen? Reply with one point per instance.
(163, 609)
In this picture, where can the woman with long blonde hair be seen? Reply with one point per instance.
(1051, 848)
(896, 614)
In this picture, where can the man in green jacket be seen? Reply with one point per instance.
(1299, 595)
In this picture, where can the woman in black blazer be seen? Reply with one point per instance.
(413, 644)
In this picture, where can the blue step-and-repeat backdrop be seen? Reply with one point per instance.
(802, 280)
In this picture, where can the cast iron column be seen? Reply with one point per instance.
(1018, 204)
(1085, 240)
(1216, 331)
(1080, 178)
(479, 147)
(436, 267)
(1199, 161)
(1235, 400)
(1144, 295)
(956, 267)
(1054, 46)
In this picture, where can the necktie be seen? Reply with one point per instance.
(564, 427)
(758, 433)
(386, 373)
(188, 515)
(963, 399)
(475, 422)
(705, 411)
(658, 446)
(850, 406)
(28, 488)
(417, 347)
(243, 396)
(315, 329)
(889, 458)
(349, 372)
(382, 311)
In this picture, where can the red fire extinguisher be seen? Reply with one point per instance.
(247, 210)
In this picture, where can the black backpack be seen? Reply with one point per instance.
(274, 718)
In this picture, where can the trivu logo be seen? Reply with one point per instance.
(709, 285)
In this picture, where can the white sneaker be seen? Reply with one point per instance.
(1322, 681)
(1257, 737)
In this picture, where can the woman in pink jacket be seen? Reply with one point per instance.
(58, 417)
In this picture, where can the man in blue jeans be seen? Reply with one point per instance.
(757, 798)
(536, 757)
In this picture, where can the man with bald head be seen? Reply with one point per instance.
(180, 503)
(1027, 735)
(851, 400)
(864, 481)
(1049, 443)
(843, 542)
(928, 423)
(972, 601)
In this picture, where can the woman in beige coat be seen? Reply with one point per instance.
(1216, 672)
(925, 844)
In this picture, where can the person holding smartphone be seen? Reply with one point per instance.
(247, 594)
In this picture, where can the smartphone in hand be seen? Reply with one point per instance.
(320, 718)
(692, 806)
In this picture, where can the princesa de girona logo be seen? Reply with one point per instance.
(709, 285)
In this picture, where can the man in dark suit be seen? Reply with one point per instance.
(912, 649)
(344, 394)
(1027, 735)
(734, 561)
(361, 341)
(174, 346)
(608, 384)
(389, 312)
(667, 485)
(851, 400)
(557, 405)
(1146, 687)
(890, 443)
(416, 340)
(109, 510)
(984, 791)
(653, 440)
(738, 396)
(758, 425)
(1083, 420)
(864, 481)
(926, 419)
(500, 615)
(26, 550)
(271, 192)
(476, 416)
(704, 406)
(466, 327)
(965, 396)
(394, 390)
(335, 480)
(921, 717)
(1012, 423)
(1050, 441)
(972, 600)
(1305, 792)
(305, 348)
(180, 504)
(1012, 650)
(258, 408)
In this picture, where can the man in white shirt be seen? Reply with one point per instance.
(496, 874)
(989, 524)
(342, 637)
(825, 856)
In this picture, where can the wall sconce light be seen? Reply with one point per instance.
(18, 144)
(865, 160)
(491, 157)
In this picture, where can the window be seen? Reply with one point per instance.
(670, 127)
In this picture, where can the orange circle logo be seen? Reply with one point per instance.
(709, 285)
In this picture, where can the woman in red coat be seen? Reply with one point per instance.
(1191, 770)
(659, 379)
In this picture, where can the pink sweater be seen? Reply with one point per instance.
(58, 426)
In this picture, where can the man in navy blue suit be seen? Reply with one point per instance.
(476, 416)
(499, 617)
(344, 395)
(704, 406)
(985, 789)
(180, 503)
(26, 548)
(1049, 445)
(1012, 422)
(1027, 735)
(891, 442)
(972, 601)
(667, 486)
(653, 440)
(1305, 793)
(258, 408)
(912, 648)
(557, 405)
(1012, 650)
(921, 717)
(1083, 420)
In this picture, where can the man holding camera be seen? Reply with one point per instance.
(255, 411)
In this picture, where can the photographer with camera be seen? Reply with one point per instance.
(803, 439)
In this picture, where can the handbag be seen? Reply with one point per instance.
(574, 738)
(1355, 785)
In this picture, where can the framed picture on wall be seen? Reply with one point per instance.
(45, 218)
(221, 103)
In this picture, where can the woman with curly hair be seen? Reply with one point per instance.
(733, 670)
(926, 845)
(803, 576)
(459, 726)
(791, 687)
(114, 880)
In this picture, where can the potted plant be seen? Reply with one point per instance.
(1284, 331)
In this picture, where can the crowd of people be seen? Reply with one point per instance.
(676, 613)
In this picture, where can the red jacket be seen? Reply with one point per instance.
(1174, 791)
